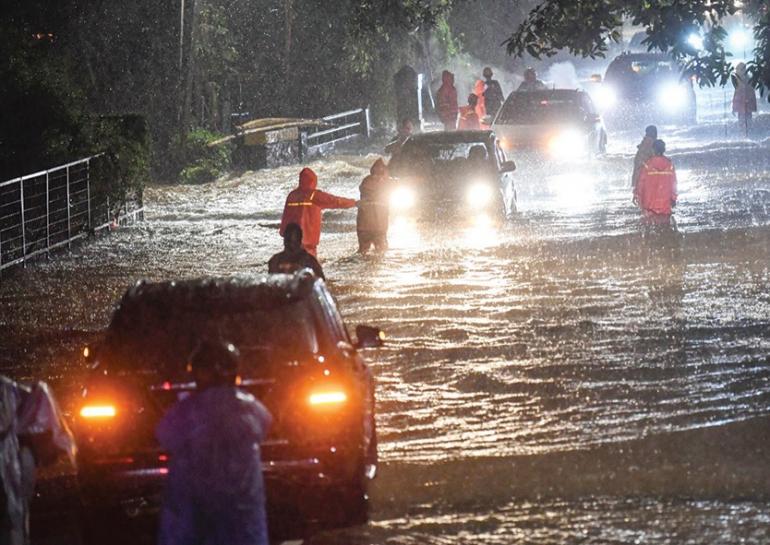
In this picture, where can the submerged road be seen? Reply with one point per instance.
(562, 379)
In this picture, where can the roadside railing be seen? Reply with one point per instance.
(46, 210)
(344, 125)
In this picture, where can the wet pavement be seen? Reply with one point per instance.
(566, 377)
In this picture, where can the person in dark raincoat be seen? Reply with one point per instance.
(493, 95)
(373, 210)
(304, 205)
(531, 83)
(407, 93)
(293, 257)
(643, 154)
(469, 120)
(215, 493)
(656, 192)
(447, 101)
(33, 433)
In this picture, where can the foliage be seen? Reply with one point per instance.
(587, 27)
(196, 161)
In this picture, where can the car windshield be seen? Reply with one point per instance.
(539, 109)
(433, 156)
(639, 69)
(160, 341)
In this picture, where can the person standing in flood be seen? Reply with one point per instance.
(293, 257)
(656, 192)
(304, 206)
(643, 153)
(481, 109)
(215, 493)
(447, 101)
(469, 120)
(373, 210)
(744, 97)
(493, 95)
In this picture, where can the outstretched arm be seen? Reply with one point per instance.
(326, 200)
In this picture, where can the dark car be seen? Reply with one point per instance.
(435, 176)
(643, 88)
(563, 123)
(296, 357)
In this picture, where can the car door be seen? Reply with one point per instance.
(506, 180)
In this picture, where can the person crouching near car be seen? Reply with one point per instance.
(656, 191)
(373, 210)
(215, 492)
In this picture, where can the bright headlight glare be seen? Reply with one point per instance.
(606, 97)
(569, 144)
(479, 195)
(402, 198)
(696, 41)
(673, 97)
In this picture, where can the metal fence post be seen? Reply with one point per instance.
(368, 123)
(88, 191)
(69, 231)
(47, 217)
(23, 224)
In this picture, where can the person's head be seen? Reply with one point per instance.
(659, 147)
(447, 77)
(530, 75)
(308, 179)
(651, 131)
(473, 100)
(487, 72)
(292, 237)
(379, 168)
(214, 363)
(477, 153)
(406, 126)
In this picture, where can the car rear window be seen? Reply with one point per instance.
(159, 341)
(538, 109)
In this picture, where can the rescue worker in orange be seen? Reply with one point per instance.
(656, 192)
(304, 205)
(469, 119)
(373, 210)
(447, 101)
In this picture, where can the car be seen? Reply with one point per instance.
(645, 88)
(434, 177)
(562, 123)
(296, 357)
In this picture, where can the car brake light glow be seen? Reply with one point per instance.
(98, 411)
(329, 397)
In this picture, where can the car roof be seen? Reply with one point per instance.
(643, 57)
(216, 295)
(452, 137)
(548, 93)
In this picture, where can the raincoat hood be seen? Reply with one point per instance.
(447, 78)
(379, 168)
(308, 179)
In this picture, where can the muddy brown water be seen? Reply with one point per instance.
(564, 378)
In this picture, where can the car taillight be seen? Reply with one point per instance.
(101, 411)
(327, 398)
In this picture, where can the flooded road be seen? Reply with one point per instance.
(567, 377)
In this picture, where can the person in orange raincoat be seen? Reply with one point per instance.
(469, 120)
(481, 108)
(304, 205)
(447, 101)
(373, 210)
(656, 192)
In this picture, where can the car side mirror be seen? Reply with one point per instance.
(369, 337)
(508, 166)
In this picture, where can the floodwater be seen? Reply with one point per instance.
(568, 377)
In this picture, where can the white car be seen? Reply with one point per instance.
(562, 123)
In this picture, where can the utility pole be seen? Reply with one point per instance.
(181, 35)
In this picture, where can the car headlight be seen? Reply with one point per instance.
(606, 97)
(402, 198)
(479, 195)
(672, 97)
(570, 143)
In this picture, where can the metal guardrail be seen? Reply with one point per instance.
(49, 209)
(344, 125)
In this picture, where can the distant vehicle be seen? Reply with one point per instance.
(435, 177)
(644, 88)
(563, 123)
(296, 358)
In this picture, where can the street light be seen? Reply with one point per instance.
(696, 41)
(738, 39)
